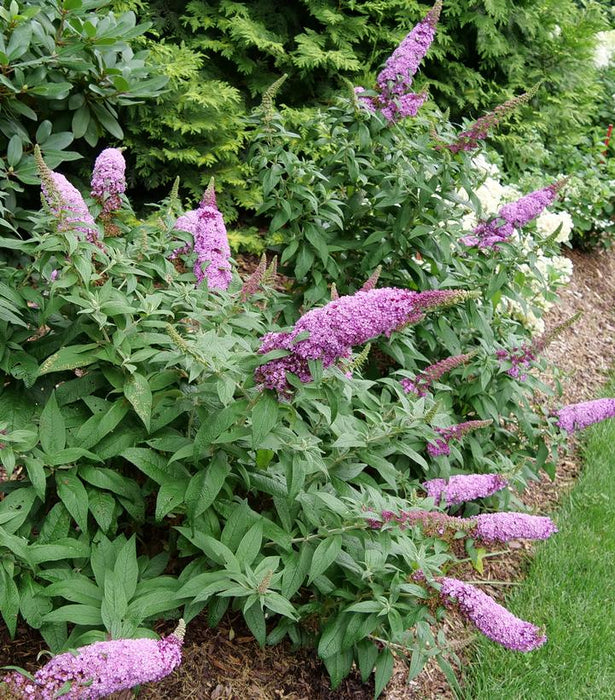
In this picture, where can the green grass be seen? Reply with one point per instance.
(570, 590)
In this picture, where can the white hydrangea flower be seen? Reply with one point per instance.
(548, 222)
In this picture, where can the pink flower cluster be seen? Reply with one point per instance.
(344, 322)
(511, 216)
(578, 416)
(102, 668)
(502, 527)
(492, 619)
(109, 179)
(210, 242)
(521, 358)
(489, 527)
(440, 446)
(463, 487)
(421, 384)
(394, 99)
(66, 203)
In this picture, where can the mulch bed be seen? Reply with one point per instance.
(226, 662)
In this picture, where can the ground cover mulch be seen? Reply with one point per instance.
(226, 663)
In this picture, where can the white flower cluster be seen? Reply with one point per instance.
(605, 49)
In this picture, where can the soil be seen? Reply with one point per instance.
(226, 663)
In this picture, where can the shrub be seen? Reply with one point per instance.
(147, 471)
(66, 69)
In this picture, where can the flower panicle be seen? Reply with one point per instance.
(579, 416)
(421, 384)
(440, 446)
(479, 130)
(372, 280)
(463, 487)
(492, 619)
(267, 102)
(109, 179)
(334, 293)
(102, 668)
(252, 284)
(544, 340)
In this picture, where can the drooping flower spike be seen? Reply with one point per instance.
(512, 216)
(109, 179)
(102, 668)
(351, 320)
(488, 527)
(210, 241)
(463, 487)
(492, 619)
(578, 416)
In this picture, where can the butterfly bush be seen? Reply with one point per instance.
(579, 416)
(463, 487)
(109, 179)
(65, 201)
(210, 242)
(394, 99)
(487, 234)
(453, 432)
(102, 668)
(492, 619)
(344, 322)
(421, 384)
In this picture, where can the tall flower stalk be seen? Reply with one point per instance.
(332, 330)
(394, 98)
(109, 179)
(453, 432)
(102, 668)
(210, 242)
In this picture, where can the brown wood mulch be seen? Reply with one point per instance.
(226, 663)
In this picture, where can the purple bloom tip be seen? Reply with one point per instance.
(464, 487)
(579, 416)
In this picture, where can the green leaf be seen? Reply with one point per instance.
(206, 485)
(78, 614)
(264, 418)
(9, 597)
(384, 671)
(115, 604)
(36, 474)
(170, 495)
(52, 429)
(212, 426)
(72, 357)
(102, 507)
(255, 619)
(65, 548)
(296, 568)
(367, 653)
(127, 568)
(137, 391)
(34, 605)
(14, 150)
(338, 666)
(250, 545)
(325, 555)
(330, 642)
(74, 496)
(150, 463)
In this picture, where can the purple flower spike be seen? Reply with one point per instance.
(108, 179)
(493, 620)
(210, 242)
(350, 320)
(395, 78)
(421, 384)
(453, 432)
(66, 203)
(102, 668)
(511, 216)
(578, 416)
(464, 487)
(502, 527)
